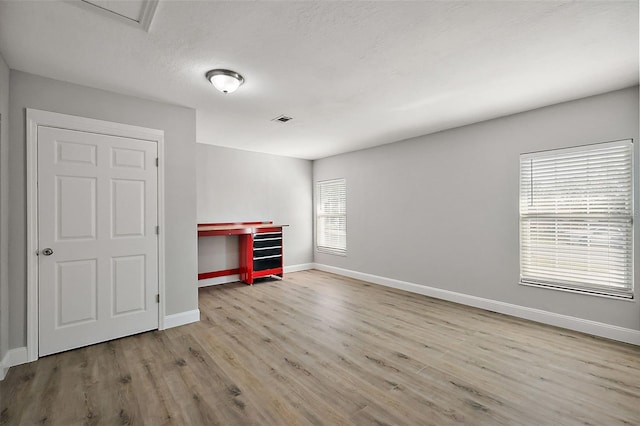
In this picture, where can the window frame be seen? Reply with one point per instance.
(335, 250)
(610, 220)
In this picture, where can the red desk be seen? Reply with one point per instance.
(260, 245)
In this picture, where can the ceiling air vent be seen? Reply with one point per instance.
(282, 118)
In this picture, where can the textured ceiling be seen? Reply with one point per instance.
(351, 74)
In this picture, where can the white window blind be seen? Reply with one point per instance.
(576, 218)
(331, 216)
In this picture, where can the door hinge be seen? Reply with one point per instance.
(158, 230)
(157, 162)
(157, 298)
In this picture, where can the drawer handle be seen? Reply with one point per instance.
(267, 257)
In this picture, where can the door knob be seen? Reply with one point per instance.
(47, 251)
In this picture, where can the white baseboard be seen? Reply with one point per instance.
(13, 357)
(4, 366)
(595, 328)
(182, 318)
(233, 278)
(298, 268)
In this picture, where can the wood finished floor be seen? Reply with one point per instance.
(317, 348)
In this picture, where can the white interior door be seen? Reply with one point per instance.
(98, 247)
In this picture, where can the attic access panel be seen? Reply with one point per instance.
(136, 12)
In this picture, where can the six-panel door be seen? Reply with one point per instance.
(97, 212)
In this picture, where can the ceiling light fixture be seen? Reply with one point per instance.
(226, 81)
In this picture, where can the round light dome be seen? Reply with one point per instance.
(226, 81)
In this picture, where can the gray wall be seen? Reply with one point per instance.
(4, 207)
(178, 123)
(442, 210)
(241, 186)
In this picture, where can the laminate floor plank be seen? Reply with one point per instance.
(254, 375)
(40, 408)
(227, 403)
(288, 368)
(148, 365)
(176, 384)
(321, 349)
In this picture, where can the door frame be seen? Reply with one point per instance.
(37, 118)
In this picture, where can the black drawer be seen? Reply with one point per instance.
(274, 241)
(267, 235)
(257, 253)
(269, 263)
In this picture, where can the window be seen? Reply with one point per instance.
(331, 216)
(576, 219)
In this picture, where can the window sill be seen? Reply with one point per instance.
(333, 252)
(583, 292)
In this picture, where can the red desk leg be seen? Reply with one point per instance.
(246, 258)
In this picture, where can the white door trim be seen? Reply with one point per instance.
(37, 118)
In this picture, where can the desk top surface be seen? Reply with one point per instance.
(237, 227)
